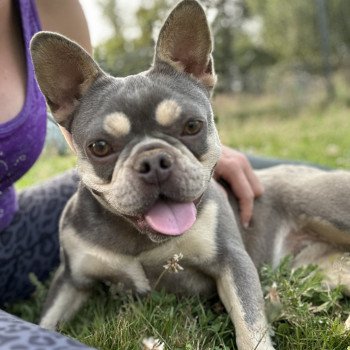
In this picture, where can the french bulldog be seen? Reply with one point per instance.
(146, 149)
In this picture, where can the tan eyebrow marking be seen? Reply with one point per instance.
(167, 112)
(117, 124)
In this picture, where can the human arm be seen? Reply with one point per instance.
(67, 18)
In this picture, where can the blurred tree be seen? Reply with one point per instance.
(291, 30)
(106, 53)
(339, 25)
(121, 55)
(237, 51)
(227, 18)
(286, 32)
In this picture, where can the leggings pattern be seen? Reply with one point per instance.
(16, 334)
(30, 243)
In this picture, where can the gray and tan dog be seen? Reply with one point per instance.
(146, 147)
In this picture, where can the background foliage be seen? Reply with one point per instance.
(301, 39)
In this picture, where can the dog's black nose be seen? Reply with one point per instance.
(154, 167)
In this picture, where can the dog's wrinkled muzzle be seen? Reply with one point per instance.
(154, 166)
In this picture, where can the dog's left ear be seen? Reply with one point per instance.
(64, 71)
(185, 43)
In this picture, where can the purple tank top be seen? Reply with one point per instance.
(22, 138)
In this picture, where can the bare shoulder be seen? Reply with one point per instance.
(65, 17)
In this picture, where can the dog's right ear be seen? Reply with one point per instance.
(64, 71)
(185, 43)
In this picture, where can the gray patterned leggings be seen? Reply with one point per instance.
(16, 334)
(30, 244)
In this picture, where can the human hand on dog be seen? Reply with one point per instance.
(234, 168)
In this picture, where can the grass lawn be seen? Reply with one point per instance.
(305, 315)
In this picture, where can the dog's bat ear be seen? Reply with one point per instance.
(185, 42)
(64, 71)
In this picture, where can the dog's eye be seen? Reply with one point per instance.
(192, 127)
(100, 148)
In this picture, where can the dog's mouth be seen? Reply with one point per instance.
(167, 217)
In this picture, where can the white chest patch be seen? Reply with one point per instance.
(197, 245)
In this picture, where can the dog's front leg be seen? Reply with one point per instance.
(70, 287)
(240, 291)
(63, 300)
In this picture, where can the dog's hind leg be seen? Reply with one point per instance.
(321, 206)
(333, 262)
(63, 301)
(323, 202)
(311, 199)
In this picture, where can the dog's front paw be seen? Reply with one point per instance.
(46, 323)
(254, 342)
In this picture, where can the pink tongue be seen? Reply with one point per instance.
(171, 218)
